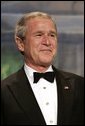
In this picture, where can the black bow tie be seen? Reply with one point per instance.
(49, 76)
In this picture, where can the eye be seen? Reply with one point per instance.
(52, 35)
(39, 34)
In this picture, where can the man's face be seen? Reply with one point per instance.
(40, 42)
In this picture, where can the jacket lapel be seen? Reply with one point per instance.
(65, 97)
(26, 99)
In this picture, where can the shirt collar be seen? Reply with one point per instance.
(29, 71)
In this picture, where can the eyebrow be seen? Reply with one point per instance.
(50, 32)
(53, 32)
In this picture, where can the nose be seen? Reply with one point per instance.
(46, 40)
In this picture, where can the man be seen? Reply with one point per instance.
(57, 98)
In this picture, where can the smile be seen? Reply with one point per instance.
(46, 50)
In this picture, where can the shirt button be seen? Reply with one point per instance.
(44, 87)
(51, 121)
(47, 103)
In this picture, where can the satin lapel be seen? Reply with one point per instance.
(25, 98)
(65, 97)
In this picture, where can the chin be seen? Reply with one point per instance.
(46, 64)
(46, 60)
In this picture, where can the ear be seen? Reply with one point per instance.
(19, 43)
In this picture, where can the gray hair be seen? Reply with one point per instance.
(20, 29)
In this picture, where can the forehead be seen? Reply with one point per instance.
(39, 22)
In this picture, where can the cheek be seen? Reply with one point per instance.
(54, 46)
(31, 49)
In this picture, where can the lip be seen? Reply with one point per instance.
(48, 50)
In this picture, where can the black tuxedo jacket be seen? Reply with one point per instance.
(19, 106)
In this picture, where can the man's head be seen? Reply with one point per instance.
(36, 38)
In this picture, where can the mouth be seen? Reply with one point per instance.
(46, 50)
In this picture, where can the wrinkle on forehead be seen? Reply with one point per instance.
(41, 24)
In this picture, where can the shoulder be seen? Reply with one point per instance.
(13, 78)
(66, 74)
(71, 77)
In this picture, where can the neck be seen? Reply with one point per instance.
(38, 68)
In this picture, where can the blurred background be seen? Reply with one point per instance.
(69, 17)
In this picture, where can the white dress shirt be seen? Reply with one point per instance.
(46, 95)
